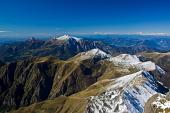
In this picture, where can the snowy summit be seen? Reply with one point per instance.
(96, 52)
(67, 37)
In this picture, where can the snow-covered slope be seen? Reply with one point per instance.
(130, 92)
(67, 37)
(126, 94)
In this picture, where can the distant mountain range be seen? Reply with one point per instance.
(62, 47)
(67, 46)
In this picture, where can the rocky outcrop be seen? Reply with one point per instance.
(158, 104)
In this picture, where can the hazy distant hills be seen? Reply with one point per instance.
(66, 46)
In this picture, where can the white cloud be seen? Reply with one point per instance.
(4, 31)
(159, 34)
(137, 33)
(105, 33)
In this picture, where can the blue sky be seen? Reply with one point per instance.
(49, 17)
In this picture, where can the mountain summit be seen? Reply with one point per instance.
(67, 37)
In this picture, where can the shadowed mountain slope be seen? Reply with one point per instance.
(25, 82)
(162, 60)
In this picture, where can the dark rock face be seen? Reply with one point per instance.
(164, 63)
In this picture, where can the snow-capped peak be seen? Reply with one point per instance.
(94, 53)
(67, 37)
